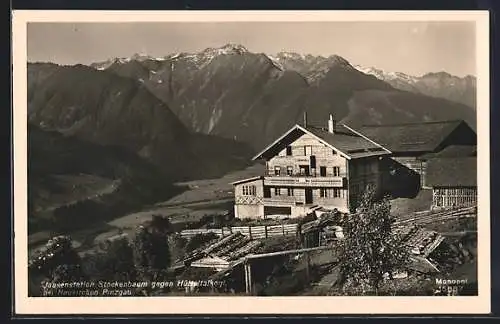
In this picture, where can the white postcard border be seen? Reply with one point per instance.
(245, 305)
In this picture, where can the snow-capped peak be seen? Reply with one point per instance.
(225, 50)
(276, 62)
(386, 76)
(290, 56)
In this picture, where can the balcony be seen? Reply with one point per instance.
(282, 201)
(305, 181)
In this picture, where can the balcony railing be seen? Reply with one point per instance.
(308, 181)
(282, 201)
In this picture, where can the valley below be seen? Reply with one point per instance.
(194, 200)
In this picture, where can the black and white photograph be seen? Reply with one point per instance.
(231, 158)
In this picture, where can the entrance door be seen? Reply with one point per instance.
(267, 192)
(309, 196)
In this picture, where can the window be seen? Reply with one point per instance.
(288, 150)
(277, 191)
(333, 152)
(322, 171)
(336, 171)
(249, 190)
(307, 150)
(277, 170)
(330, 192)
(290, 191)
(289, 170)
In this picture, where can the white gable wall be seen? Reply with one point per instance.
(323, 153)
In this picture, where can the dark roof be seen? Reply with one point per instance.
(453, 151)
(416, 137)
(342, 139)
(247, 180)
(348, 142)
(452, 172)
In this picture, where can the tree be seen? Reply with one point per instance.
(151, 252)
(370, 249)
(116, 262)
(58, 251)
(67, 273)
(56, 261)
(160, 224)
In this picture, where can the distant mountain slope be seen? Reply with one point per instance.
(108, 109)
(253, 97)
(440, 84)
(73, 183)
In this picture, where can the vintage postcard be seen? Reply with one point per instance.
(251, 162)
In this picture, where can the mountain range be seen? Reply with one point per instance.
(253, 97)
(434, 84)
(200, 115)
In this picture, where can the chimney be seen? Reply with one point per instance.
(331, 124)
(305, 119)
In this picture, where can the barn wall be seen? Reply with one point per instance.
(454, 197)
(363, 173)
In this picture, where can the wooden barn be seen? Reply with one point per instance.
(453, 181)
(412, 145)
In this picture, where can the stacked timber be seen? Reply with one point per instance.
(217, 245)
(422, 241)
(233, 245)
(244, 250)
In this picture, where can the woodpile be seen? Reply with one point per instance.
(214, 247)
(229, 248)
(244, 250)
(235, 244)
(421, 241)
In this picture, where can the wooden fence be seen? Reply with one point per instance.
(265, 231)
(253, 232)
(431, 216)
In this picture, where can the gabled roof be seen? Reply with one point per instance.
(452, 172)
(343, 140)
(415, 137)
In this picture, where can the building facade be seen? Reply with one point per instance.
(412, 145)
(453, 181)
(308, 168)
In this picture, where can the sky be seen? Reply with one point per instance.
(414, 48)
